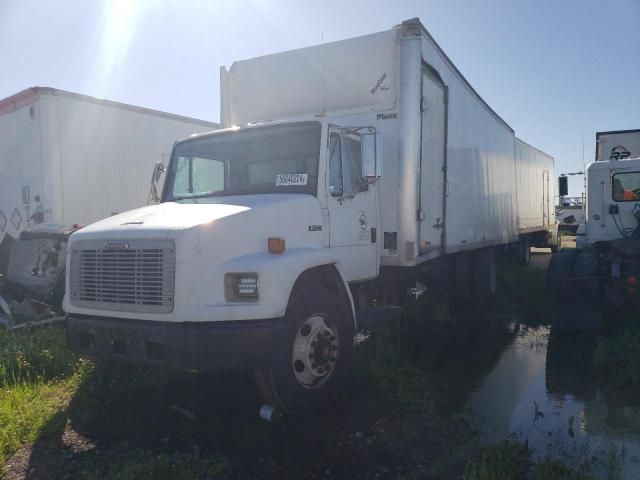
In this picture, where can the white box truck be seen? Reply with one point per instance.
(341, 169)
(71, 159)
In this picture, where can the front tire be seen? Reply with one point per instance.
(314, 362)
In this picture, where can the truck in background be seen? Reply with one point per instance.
(605, 267)
(67, 158)
(343, 170)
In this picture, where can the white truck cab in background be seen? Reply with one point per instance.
(341, 170)
(604, 269)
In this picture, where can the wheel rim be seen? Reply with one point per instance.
(315, 351)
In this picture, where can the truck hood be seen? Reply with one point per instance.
(168, 217)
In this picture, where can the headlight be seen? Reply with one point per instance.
(241, 287)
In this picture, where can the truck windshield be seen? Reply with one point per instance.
(272, 159)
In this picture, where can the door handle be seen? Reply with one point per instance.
(374, 235)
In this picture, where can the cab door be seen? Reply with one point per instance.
(352, 206)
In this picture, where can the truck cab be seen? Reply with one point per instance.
(255, 224)
(604, 268)
(613, 200)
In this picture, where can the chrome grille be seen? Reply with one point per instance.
(136, 276)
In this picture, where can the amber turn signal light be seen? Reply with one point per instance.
(276, 245)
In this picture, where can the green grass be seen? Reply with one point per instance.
(511, 460)
(140, 464)
(616, 360)
(31, 355)
(383, 362)
(528, 287)
(43, 386)
(27, 407)
(44, 390)
(38, 377)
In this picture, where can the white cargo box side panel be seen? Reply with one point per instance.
(351, 75)
(535, 182)
(102, 155)
(20, 167)
(481, 200)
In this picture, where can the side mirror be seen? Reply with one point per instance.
(154, 192)
(371, 164)
(563, 186)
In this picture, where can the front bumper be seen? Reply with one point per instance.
(193, 346)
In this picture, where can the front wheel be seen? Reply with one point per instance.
(315, 358)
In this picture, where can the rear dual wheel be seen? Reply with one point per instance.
(313, 365)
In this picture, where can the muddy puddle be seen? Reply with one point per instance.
(539, 390)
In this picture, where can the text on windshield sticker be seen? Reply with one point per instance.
(291, 179)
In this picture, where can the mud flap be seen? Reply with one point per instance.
(577, 305)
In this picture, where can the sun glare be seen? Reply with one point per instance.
(120, 18)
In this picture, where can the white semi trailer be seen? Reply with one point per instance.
(71, 159)
(342, 169)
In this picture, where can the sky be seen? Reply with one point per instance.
(556, 70)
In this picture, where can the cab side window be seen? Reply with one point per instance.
(345, 166)
(335, 166)
(352, 166)
(626, 187)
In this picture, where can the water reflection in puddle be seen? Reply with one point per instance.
(540, 392)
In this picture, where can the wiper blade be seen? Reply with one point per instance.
(217, 193)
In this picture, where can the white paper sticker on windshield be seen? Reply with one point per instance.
(291, 179)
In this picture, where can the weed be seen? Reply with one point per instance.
(512, 460)
(383, 361)
(504, 461)
(537, 413)
(29, 355)
(614, 467)
(549, 469)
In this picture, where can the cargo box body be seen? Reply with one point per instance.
(535, 188)
(617, 145)
(454, 176)
(71, 159)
